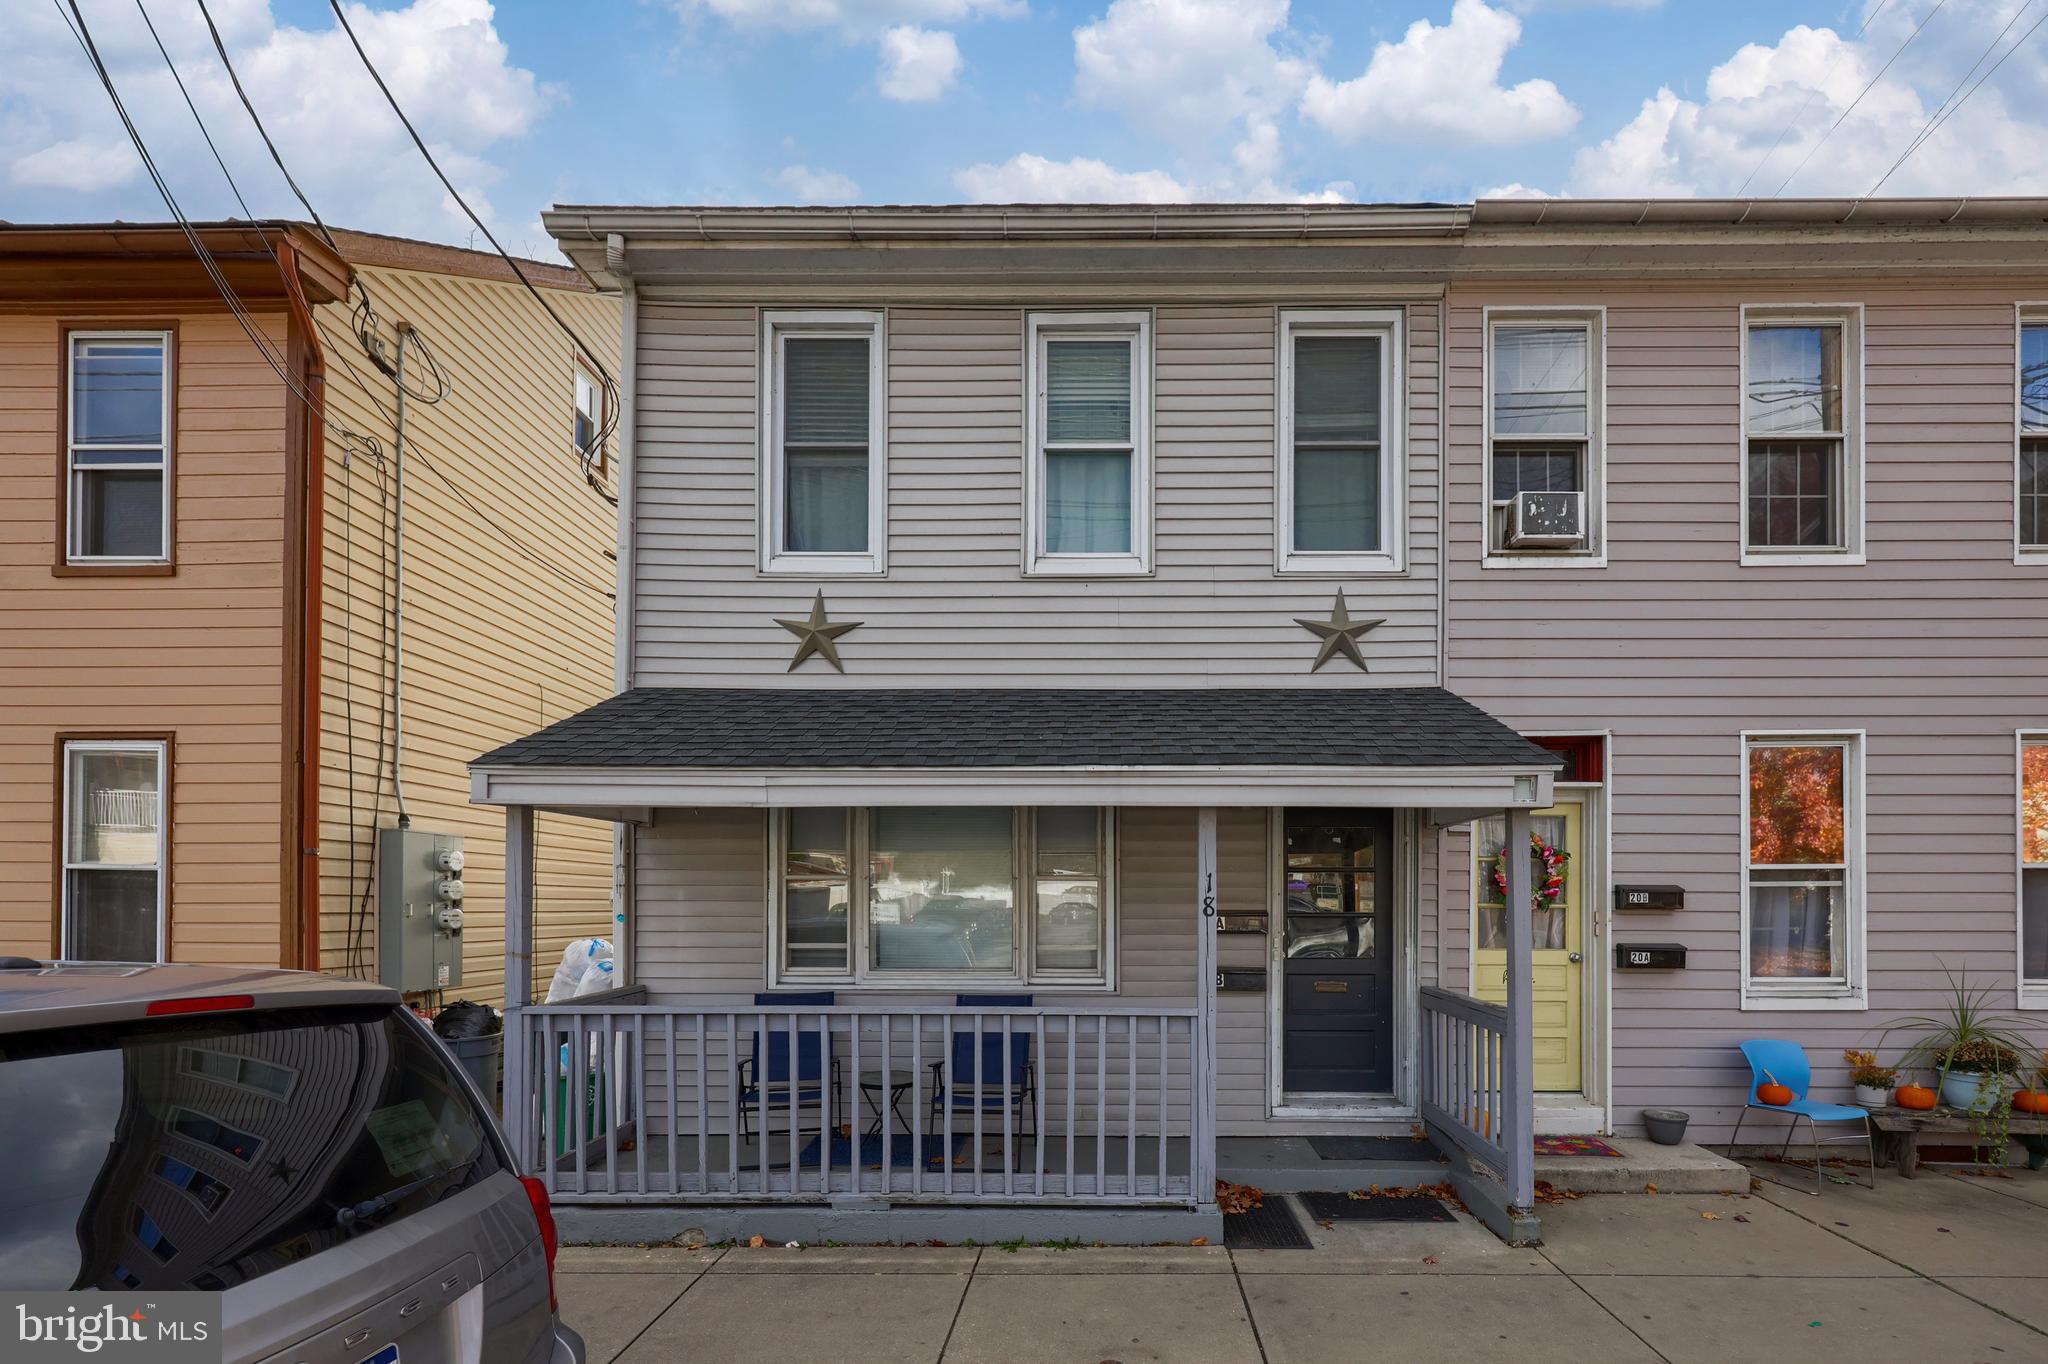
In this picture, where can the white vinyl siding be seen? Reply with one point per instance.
(118, 414)
(1544, 405)
(114, 843)
(1802, 893)
(1341, 491)
(1088, 446)
(823, 480)
(1802, 434)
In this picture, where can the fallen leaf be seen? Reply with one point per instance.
(1326, 1225)
(1429, 1259)
(1238, 1197)
(1199, 1241)
(1710, 1216)
(1649, 1188)
(1742, 1217)
(756, 1242)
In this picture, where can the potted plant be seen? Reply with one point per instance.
(1976, 1053)
(1873, 1082)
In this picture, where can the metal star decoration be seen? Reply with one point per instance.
(1339, 634)
(815, 635)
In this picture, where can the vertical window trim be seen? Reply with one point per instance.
(859, 973)
(1390, 325)
(2031, 994)
(775, 326)
(1849, 317)
(581, 378)
(1136, 324)
(68, 560)
(2026, 314)
(1594, 318)
(1850, 993)
(161, 747)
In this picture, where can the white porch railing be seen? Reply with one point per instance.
(610, 1102)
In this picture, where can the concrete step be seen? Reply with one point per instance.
(1672, 1169)
(1290, 1165)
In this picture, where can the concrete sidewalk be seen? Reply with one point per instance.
(1944, 1268)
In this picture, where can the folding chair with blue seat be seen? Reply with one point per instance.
(815, 1059)
(1785, 1063)
(978, 1075)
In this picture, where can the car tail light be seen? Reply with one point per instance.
(537, 1194)
(199, 1004)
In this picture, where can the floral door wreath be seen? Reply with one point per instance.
(1551, 889)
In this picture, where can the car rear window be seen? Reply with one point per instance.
(205, 1152)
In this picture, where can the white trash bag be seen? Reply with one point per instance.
(586, 968)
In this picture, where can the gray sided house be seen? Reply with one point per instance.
(1080, 668)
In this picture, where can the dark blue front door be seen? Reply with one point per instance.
(1338, 1009)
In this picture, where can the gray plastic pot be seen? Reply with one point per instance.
(1666, 1126)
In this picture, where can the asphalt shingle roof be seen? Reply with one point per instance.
(721, 727)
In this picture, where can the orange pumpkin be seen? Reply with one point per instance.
(2031, 1100)
(1913, 1096)
(1775, 1094)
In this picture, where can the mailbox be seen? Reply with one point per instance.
(1249, 981)
(1649, 956)
(1241, 923)
(1649, 897)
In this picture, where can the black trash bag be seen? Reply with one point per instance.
(467, 1018)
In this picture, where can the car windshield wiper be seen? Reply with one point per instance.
(348, 1216)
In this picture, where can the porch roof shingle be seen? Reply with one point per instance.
(723, 727)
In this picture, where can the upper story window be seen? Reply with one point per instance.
(1545, 457)
(1340, 447)
(2033, 824)
(1088, 464)
(588, 420)
(1802, 435)
(114, 839)
(117, 448)
(1803, 871)
(823, 457)
(2033, 423)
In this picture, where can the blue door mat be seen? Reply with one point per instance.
(1375, 1148)
(1272, 1226)
(1342, 1207)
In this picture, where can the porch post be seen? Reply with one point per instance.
(1202, 1139)
(518, 976)
(1518, 1070)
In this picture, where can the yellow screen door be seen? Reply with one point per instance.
(1560, 1035)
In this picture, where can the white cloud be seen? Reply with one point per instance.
(1026, 178)
(1442, 82)
(859, 18)
(918, 64)
(808, 186)
(1187, 69)
(1767, 109)
(444, 60)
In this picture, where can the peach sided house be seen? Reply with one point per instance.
(1080, 668)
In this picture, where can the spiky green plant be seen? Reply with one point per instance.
(1968, 1037)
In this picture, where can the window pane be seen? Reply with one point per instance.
(2034, 804)
(120, 513)
(1795, 379)
(1337, 499)
(1337, 390)
(1087, 392)
(825, 390)
(827, 502)
(2034, 492)
(113, 915)
(816, 890)
(1792, 926)
(1550, 927)
(113, 816)
(1536, 469)
(1539, 381)
(1068, 889)
(1796, 810)
(2034, 924)
(1792, 494)
(942, 890)
(2034, 377)
(117, 392)
(1087, 502)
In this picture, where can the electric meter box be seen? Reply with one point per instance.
(419, 910)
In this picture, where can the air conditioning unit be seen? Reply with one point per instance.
(1547, 521)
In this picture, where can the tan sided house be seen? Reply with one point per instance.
(241, 620)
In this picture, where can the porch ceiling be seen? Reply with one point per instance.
(1404, 746)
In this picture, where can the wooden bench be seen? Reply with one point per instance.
(1900, 1132)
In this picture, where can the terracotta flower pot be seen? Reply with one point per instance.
(1914, 1096)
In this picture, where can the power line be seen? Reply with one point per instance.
(1811, 96)
(222, 48)
(1938, 4)
(1946, 111)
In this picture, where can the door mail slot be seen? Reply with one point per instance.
(1249, 981)
(1649, 956)
(1333, 987)
(1649, 897)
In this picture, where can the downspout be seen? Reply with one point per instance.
(311, 578)
(624, 584)
(404, 330)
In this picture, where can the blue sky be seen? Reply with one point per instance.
(779, 101)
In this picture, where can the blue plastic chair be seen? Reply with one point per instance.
(967, 1081)
(814, 1058)
(1785, 1063)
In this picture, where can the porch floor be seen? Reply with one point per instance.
(1291, 1165)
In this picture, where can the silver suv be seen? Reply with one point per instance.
(300, 1144)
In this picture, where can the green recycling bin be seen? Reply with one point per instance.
(595, 1122)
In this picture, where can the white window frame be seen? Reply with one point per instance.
(860, 974)
(1592, 317)
(582, 382)
(2032, 994)
(188, 1064)
(1389, 326)
(776, 326)
(1848, 993)
(72, 501)
(1136, 326)
(158, 749)
(2025, 315)
(1849, 317)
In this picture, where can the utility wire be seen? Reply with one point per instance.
(1938, 4)
(1811, 96)
(218, 160)
(222, 48)
(1947, 110)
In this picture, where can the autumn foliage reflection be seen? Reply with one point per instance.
(1796, 807)
(2034, 803)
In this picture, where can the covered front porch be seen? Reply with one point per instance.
(738, 1065)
